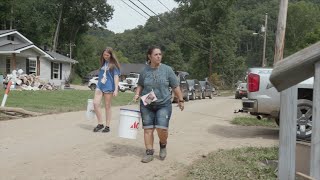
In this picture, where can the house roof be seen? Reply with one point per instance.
(7, 46)
(6, 31)
(61, 58)
(12, 47)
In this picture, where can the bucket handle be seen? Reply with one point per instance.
(131, 102)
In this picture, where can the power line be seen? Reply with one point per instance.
(187, 42)
(163, 5)
(133, 9)
(121, 5)
(139, 8)
(148, 8)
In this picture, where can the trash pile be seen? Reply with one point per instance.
(27, 82)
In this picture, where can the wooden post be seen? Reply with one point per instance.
(264, 60)
(38, 66)
(288, 124)
(13, 61)
(281, 31)
(315, 138)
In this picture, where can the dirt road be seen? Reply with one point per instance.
(63, 146)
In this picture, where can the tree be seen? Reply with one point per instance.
(303, 22)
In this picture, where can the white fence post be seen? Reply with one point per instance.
(288, 125)
(315, 139)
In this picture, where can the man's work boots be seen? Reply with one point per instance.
(163, 151)
(148, 156)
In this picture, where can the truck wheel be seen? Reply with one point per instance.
(93, 87)
(304, 119)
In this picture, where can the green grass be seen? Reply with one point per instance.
(240, 163)
(251, 121)
(57, 101)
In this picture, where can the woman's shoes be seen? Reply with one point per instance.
(99, 127)
(107, 129)
(148, 156)
(163, 151)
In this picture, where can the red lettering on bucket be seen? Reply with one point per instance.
(134, 125)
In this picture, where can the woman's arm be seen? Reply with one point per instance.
(178, 93)
(137, 93)
(116, 85)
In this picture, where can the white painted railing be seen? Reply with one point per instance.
(285, 75)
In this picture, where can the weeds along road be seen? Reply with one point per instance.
(63, 146)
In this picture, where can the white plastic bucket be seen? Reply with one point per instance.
(90, 113)
(129, 123)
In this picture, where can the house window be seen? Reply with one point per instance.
(56, 70)
(32, 66)
(8, 64)
(10, 38)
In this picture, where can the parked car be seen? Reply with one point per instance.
(92, 84)
(89, 76)
(194, 89)
(264, 100)
(183, 84)
(206, 89)
(241, 91)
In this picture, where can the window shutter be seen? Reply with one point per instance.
(27, 66)
(51, 70)
(60, 71)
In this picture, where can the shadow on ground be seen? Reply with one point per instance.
(121, 150)
(86, 126)
(244, 132)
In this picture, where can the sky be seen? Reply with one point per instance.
(125, 17)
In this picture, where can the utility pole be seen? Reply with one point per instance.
(70, 49)
(287, 146)
(264, 60)
(210, 62)
(281, 31)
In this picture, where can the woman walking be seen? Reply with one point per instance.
(107, 87)
(155, 105)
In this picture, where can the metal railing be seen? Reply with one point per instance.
(285, 75)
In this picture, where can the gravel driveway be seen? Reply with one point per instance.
(63, 146)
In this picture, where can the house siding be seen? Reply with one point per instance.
(45, 73)
(17, 40)
(21, 63)
(3, 64)
(29, 52)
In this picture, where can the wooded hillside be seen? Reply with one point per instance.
(185, 34)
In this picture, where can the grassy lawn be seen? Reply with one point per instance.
(240, 163)
(57, 101)
(252, 121)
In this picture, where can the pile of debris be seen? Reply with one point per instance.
(28, 82)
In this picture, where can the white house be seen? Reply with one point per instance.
(18, 52)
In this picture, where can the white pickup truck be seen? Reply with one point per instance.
(264, 100)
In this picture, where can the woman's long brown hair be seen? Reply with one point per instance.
(113, 61)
